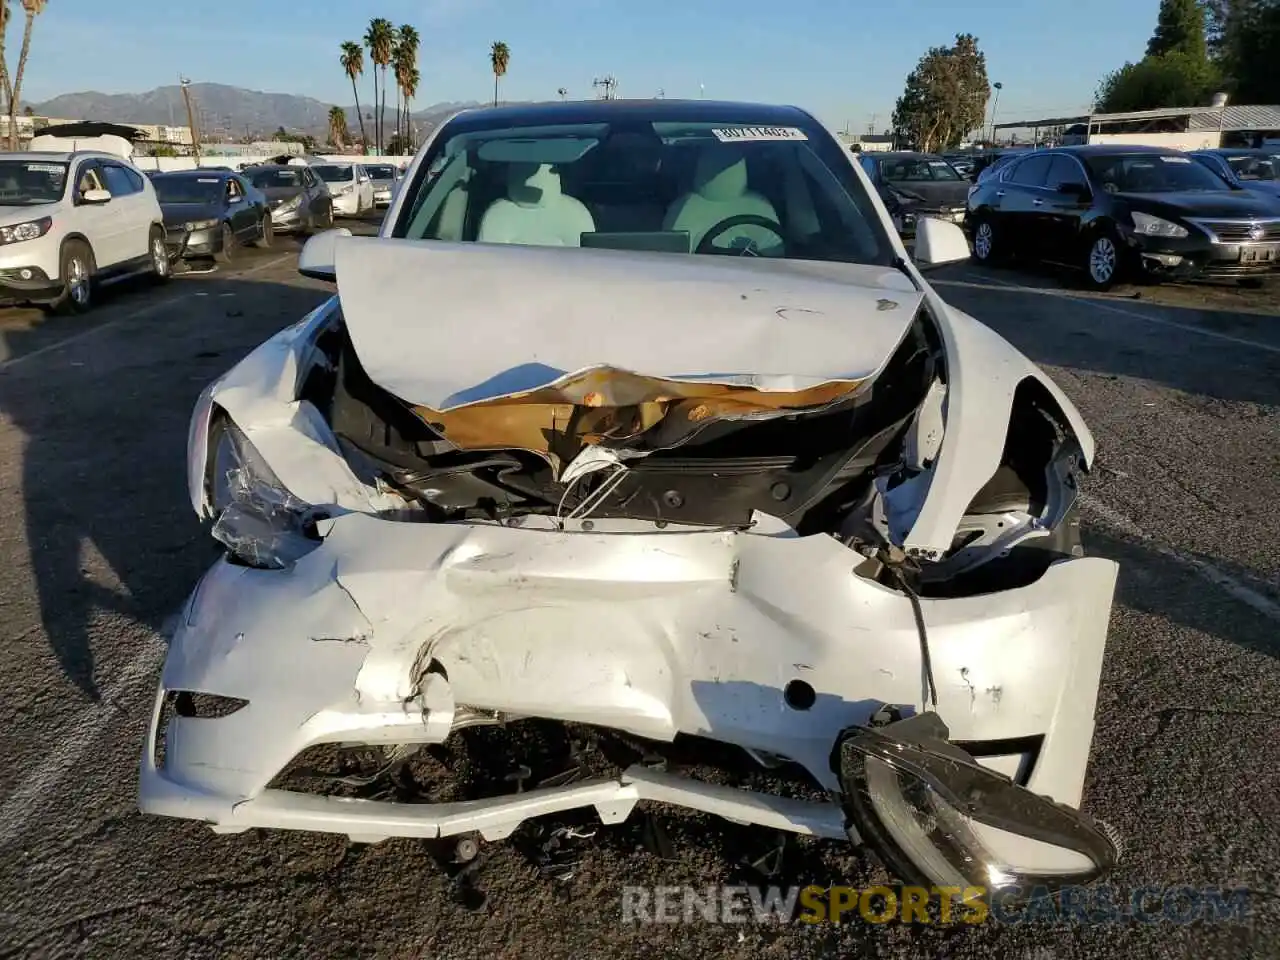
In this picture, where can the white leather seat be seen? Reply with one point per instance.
(720, 192)
(535, 212)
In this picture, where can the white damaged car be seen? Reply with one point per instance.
(636, 421)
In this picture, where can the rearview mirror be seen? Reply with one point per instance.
(939, 243)
(317, 256)
(1073, 189)
(96, 196)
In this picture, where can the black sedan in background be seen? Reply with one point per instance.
(1124, 212)
(211, 213)
(917, 185)
(299, 200)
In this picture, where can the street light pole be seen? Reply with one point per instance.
(191, 119)
(994, 107)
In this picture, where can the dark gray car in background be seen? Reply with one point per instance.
(298, 199)
(917, 185)
(210, 212)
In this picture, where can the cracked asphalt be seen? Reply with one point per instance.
(98, 546)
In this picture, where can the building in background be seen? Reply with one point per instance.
(1182, 128)
(866, 142)
(151, 137)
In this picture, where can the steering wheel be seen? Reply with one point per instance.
(742, 220)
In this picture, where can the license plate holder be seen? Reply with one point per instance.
(1260, 253)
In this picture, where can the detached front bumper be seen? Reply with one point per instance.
(763, 640)
(183, 243)
(1197, 256)
(286, 220)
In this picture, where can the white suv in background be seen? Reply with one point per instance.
(72, 221)
(350, 186)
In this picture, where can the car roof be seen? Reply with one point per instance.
(904, 155)
(204, 173)
(556, 112)
(1111, 149)
(63, 156)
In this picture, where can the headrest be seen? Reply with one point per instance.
(721, 174)
(532, 184)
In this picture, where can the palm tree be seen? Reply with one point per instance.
(563, 92)
(411, 79)
(338, 126)
(499, 58)
(405, 60)
(33, 9)
(380, 38)
(352, 61)
(5, 86)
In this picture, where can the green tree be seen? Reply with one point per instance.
(945, 96)
(338, 126)
(380, 38)
(1244, 40)
(499, 59)
(1172, 80)
(352, 60)
(1180, 27)
(405, 66)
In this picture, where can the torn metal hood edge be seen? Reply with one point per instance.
(448, 325)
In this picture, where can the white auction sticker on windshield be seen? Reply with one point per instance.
(1176, 159)
(45, 167)
(742, 134)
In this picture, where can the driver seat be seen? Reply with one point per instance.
(719, 192)
(535, 212)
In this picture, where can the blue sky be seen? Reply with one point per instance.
(844, 61)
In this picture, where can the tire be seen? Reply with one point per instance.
(268, 234)
(75, 267)
(161, 265)
(1104, 264)
(226, 253)
(327, 223)
(987, 245)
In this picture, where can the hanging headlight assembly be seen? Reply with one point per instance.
(936, 817)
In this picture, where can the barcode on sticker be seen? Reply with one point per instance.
(741, 134)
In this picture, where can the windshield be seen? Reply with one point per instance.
(204, 190)
(330, 173)
(380, 171)
(1152, 173)
(917, 170)
(1255, 166)
(658, 185)
(273, 179)
(26, 182)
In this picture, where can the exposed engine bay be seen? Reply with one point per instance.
(648, 562)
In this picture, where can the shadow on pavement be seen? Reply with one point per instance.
(1209, 352)
(105, 423)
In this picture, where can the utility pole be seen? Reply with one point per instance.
(871, 127)
(994, 107)
(191, 118)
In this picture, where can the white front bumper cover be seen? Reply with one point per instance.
(656, 634)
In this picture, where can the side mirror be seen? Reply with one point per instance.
(1074, 189)
(317, 256)
(939, 243)
(96, 196)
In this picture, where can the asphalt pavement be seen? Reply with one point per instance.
(98, 546)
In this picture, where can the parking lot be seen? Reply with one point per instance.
(1180, 385)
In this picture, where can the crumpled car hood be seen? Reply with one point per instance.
(500, 346)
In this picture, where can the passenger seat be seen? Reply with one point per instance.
(535, 212)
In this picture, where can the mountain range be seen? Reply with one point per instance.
(226, 111)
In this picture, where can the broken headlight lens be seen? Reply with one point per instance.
(257, 519)
(938, 818)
